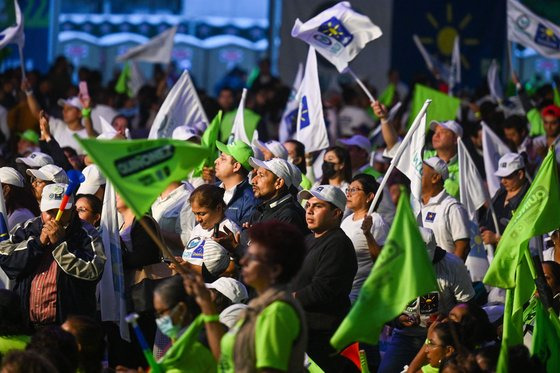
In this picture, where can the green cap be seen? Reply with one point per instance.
(30, 136)
(240, 151)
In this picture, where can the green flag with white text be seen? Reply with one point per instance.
(537, 214)
(141, 169)
(443, 107)
(402, 272)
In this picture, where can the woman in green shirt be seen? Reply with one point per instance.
(270, 335)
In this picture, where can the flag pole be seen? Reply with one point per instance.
(361, 84)
(22, 62)
(395, 160)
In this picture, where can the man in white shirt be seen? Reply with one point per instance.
(443, 214)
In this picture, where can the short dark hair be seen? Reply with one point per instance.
(344, 157)
(94, 202)
(91, 337)
(26, 361)
(209, 196)
(369, 184)
(285, 246)
(58, 346)
(300, 152)
(517, 122)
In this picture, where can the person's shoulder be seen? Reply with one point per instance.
(56, 123)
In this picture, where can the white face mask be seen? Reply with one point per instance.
(291, 160)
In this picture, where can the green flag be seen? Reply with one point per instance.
(122, 82)
(388, 95)
(546, 339)
(513, 312)
(250, 118)
(556, 96)
(537, 214)
(443, 107)
(141, 169)
(187, 354)
(535, 119)
(402, 272)
(208, 140)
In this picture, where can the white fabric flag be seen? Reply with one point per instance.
(473, 195)
(526, 28)
(181, 107)
(137, 79)
(492, 150)
(287, 126)
(238, 131)
(338, 33)
(432, 63)
(455, 71)
(108, 132)
(110, 289)
(14, 34)
(311, 130)
(494, 82)
(156, 50)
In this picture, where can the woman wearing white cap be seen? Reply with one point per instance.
(20, 204)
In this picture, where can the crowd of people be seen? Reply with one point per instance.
(271, 244)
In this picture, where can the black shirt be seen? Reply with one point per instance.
(504, 213)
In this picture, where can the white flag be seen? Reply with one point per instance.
(473, 195)
(492, 150)
(494, 82)
(287, 126)
(238, 131)
(432, 63)
(455, 71)
(108, 132)
(181, 107)
(156, 50)
(526, 28)
(137, 79)
(14, 34)
(311, 130)
(338, 33)
(110, 289)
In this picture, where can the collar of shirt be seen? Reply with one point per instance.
(275, 202)
(437, 199)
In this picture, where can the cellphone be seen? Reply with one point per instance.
(216, 230)
(83, 90)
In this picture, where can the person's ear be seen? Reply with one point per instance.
(5, 190)
(279, 183)
(275, 272)
(97, 218)
(449, 350)
(236, 166)
(369, 197)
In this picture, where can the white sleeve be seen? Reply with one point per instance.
(393, 152)
(379, 229)
(458, 222)
(185, 222)
(462, 285)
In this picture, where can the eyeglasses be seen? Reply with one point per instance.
(353, 190)
(430, 344)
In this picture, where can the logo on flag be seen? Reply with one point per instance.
(335, 29)
(430, 217)
(291, 119)
(546, 37)
(304, 121)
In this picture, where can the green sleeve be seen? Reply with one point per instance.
(278, 326)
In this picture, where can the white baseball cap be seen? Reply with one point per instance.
(52, 196)
(439, 166)
(357, 140)
(450, 125)
(326, 193)
(72, 101)
(36, 160)
(273, 146)
(49, 172)
(205, 251)
(94, 179)
(184, 133)
(296, 175)
(508, 164)
(9, 175)
(231, 288)
(257, 153)
(277, 166)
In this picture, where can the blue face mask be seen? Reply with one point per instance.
(165, 325)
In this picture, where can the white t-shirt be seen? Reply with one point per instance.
(447, 218)
(102, 111)
(173, 213)
(64, 136)
(198, 232)
(351, 118)
(353, 229)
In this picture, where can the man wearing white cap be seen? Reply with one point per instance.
(512, 173)
(442, 213)
(325, 279)
(94, 183)
(46, 175)
(20, 205)
(73, 111)
(35, 160)
(55, 264)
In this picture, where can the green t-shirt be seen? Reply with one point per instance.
(451, 185)
(429, 369)
(13, 342)
(278, 326)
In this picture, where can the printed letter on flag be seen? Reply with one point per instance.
(338, 33)
(311, 129)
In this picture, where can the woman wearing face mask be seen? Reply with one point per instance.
(337, 170)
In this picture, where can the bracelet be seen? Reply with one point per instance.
(29, 93)
(86, 112)
(210, 318)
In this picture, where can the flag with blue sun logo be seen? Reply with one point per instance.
(310, 125)
(338, 33)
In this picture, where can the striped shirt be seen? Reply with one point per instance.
(43, 297)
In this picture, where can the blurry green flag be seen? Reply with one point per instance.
(556, 96)
(388, 95)
(513, 312)
(250, 118)
(402, 272)
(208, 140)
(141, 169)
(122, 81)
(537, 214)
(536, 122)
(546, 339)
(443, 107)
